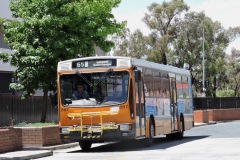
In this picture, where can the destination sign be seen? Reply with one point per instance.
(94, 63)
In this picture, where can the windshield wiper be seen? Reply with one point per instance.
(84, 78)
(106, 73)
(100, 79)
(101, 100)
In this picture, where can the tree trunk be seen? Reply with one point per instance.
(44, 107)
(235, 91)
(164, 59)
(215, 87)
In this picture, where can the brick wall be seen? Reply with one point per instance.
(32, 136)
(51, 136)
(205, 116)
(40, 136)
(10, 139)
(16, 138)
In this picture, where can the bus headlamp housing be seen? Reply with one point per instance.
(125, 127)
(65, 130)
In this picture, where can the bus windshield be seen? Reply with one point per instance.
(100, 89)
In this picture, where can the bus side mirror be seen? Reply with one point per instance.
(67, 101)
(137, 74)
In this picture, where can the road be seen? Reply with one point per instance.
(210, 142)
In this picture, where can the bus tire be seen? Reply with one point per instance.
(85, 146)
(151, 134)
(170, 136)
(177, 135)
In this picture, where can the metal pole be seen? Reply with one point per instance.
(203, 65)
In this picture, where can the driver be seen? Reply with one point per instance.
(80, 93)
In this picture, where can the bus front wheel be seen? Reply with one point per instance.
(85, 146)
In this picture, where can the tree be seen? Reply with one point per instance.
(233, 71)
(130, 44)
(48, 31)
(233, 33)
(187, 48)
(177, 39)
(162, 20)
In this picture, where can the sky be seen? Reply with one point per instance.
(227, 12)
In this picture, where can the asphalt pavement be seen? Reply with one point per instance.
(39, 152)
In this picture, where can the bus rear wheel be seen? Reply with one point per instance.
(177, 135)
(85, 146)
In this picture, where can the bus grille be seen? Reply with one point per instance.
(92, 131)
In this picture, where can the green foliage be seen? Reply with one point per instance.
(225, 93)
(130, 44)
(188, 48)
(4, 56)
(233, 71)
(162, 21)
(24, 124)
(48, 31)
(176, 39)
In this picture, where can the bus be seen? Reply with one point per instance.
(128, 99)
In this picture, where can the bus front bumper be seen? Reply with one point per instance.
(121, 132)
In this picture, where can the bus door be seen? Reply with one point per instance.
(173, 102)
(140, 105)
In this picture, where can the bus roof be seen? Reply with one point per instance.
(120, 62)
(158, 66)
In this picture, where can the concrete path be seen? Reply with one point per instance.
(35, 152)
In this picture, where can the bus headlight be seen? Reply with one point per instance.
(65, 131)
(125, 127)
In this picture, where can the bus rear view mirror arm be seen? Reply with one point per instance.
(137, 75)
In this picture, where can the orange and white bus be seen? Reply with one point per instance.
(128, 99)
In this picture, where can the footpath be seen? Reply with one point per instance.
(35, 152)
(39, 152)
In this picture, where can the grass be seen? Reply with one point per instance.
(24, 124)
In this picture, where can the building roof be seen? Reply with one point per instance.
(5, 10)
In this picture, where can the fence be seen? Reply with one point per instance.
(28, 110)
(216, 103)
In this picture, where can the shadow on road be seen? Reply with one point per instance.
(139, 145)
